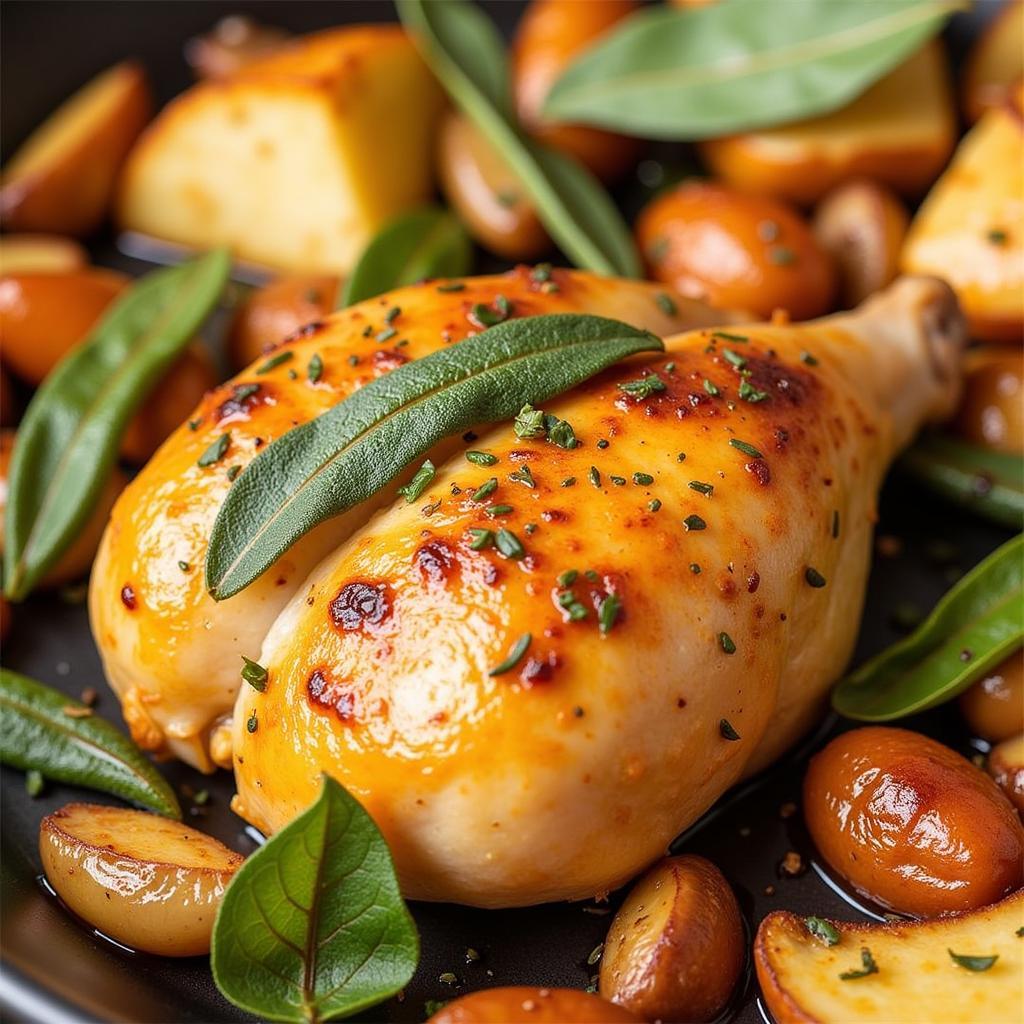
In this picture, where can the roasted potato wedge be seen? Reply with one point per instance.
(486, 193)
(526, 1005)
(43, 315)
(970, 229)
(297, 159)
(917, 977)
(900, 133)
(550, 34)
(912, 824)
(20, 254)
(76, 561)
(735, 251)
(150, 883)
(62, 177)
(861, 225)
(1006, 766)
(995, 62)
(676, 947)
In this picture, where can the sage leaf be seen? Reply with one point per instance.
(67, 442)
(986, 482)
(348, 453)
(313, 927)
(735, 66)
(978, 624)
(428, 242)
(43, 730)
(466, 54)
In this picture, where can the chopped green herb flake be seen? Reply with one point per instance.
(806, 357)
(666, 305)
(353, 360)
(515, 655)
(822, 929)
(560, 432)
(34, 783)
(681, 457)
(215, 452)
(814, 578)
(482, 539)
(387, 334)
(695, 568)
(997, 236)
(496, 313)
(530, 423)
(315, 368)
(274, 361)
(749, 393)
(451, 286)
(747, 449)
(782, 256)
(602, 443)
(498, 510)
(654, 504)
(701, 487)
(726, 336)
(254, 674)
(419, 483)
(243, 391)
(643, 479)
(726, 730)
(726, 643)
(592, 576)
(509, 544)
(608, 613)
(233, 472)
(594, 476)
(541, 273)
(530, 527)
(485, 490)
(184, 566)
(523, 476)
(973, 963)
(481, 458)
(694, 522)
(251, 723)
(194, 424)
(670, 367)
(868, 967)
(292, 375)
(567, 578)
(711, 388)
(643, 387)
(573, 608)
(619, 481)
(734, 357)
(392, 314)
(569, 481)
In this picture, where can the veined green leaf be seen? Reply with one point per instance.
(739, 65)
(313, 927)
(43, 730)
(67, 442)
(464, 51)
(347, 454)
(987, 482)
(428, 242)
(978, 624)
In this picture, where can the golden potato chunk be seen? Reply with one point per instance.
(921, 970)
(146, 881)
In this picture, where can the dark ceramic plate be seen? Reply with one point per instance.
(56, 970)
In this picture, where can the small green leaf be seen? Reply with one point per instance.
(419, 483)
(356, 448)
(254, 674)
(736, 66)
(868, 966)
(42, 730)
(313, 927)
(465, 52)
(428, 242)
(975, 626)
(986, 482)
(973, 963)
(515, 655)
(822, 929)
(67, 442)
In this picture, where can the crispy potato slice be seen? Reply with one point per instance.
(62, 177)
(970, 229)
(28, 253)
(995, 62)
(917, 978)
(676, 947)
(900, 132)
(531, 1006)
(146, 881)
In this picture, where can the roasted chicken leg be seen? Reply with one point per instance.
(536, 721)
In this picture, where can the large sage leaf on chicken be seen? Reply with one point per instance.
(987, 482)
(975, 626)
(428, 242)
(67, 442)
(45, 731)
(465, 52)
(347, 454)
(313, 927)
(739, 65)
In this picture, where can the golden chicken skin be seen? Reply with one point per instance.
(538, 672)
(171, 652)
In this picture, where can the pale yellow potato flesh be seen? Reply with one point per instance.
(148, 882)
(917, 978)
(32, 253)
